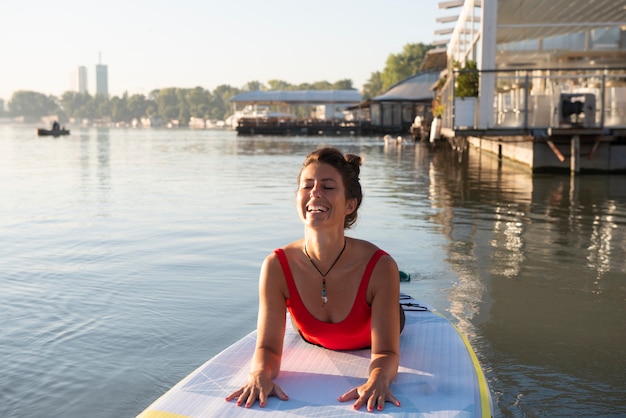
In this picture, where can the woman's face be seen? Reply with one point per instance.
(321, 198)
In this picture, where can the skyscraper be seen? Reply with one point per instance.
(81, 80)
(102, 79)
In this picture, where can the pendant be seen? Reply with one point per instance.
(324, 298)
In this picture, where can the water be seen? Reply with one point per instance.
(130, 257)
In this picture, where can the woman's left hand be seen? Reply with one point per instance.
(374, 394)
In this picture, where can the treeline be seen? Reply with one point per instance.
(181, 104)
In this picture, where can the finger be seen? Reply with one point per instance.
(251, 398)
(373, 400)
(262, 398)
(360, 402)
(276, 391)
(363, 399)
(242, 398)
(234, 395)
(380, 401)
(391, 398)
(351, 394)
(280, 394)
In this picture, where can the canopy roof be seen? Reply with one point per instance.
(416, 88)
(540, 18)
(531, 22)
(299, 97)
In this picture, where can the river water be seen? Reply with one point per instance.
(130, 257)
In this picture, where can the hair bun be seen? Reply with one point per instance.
(354, 161)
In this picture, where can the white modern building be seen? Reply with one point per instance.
(549, 85)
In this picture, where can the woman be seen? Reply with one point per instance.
(342, 293)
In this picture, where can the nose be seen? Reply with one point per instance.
(316, 190)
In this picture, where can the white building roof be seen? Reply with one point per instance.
(416, 88)
(299, 97)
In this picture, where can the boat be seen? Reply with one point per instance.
(52, 132)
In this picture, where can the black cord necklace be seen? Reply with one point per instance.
(324, 298)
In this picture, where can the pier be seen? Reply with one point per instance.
(299, 126)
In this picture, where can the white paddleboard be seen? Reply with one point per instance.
(439, 376)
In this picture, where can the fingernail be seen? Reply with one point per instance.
(380, 408)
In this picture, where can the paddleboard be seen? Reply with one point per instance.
(439, 376)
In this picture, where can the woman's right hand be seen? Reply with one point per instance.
(258, 387)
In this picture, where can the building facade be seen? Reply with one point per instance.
(102, 80)
(81, 80)
(548, 82)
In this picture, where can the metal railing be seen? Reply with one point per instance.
(541, 99)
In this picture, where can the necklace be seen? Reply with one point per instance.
(324, 298)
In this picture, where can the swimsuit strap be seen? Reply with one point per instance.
(294, 296)
(362, 292)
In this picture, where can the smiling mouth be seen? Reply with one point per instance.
(316, 209)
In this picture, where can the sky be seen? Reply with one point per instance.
(152, 44)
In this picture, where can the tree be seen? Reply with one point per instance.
(220, 103)
(279, 85)
(137, 107)
(345, 84)
(167, 104)
(254, 86)
(319, 85)
(101, 107)
(119, 108)
(404, 64)
(183, 107)
(32, 105)
(198, 100)
(76, 105)
(374, 86)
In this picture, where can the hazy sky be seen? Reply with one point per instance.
(150, 44)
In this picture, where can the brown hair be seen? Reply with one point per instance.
(349, 168)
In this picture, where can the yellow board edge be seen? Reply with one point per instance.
(153, 413)
(483, 388)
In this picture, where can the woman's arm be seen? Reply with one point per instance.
(265, 364)
(385, 285)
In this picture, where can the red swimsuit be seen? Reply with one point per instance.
(353, 333)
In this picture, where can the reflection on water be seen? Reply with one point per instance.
(542, 282)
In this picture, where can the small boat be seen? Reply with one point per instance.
(52, 132)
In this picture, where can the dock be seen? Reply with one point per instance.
(299, 126)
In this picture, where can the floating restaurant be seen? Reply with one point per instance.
(541, 83)
(297, 112)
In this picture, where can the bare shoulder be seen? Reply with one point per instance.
(367, 249)
(362, 246)
(385, 275)
(272, 273)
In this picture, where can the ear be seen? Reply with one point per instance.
(350, 206)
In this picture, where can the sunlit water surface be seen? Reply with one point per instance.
(130, 257)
